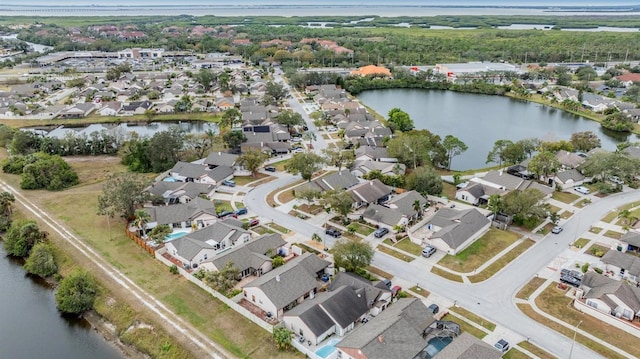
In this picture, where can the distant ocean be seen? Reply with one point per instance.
(317, 8)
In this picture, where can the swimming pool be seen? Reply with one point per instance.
(172, 236)
(435, 345)
(328, 349)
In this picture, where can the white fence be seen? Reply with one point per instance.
(623, 324)
(233, 305)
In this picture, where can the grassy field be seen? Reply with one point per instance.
(474, 318)
(530, 287)
(554, 302)
(581, 242)
(565, 197)
(76, 208)
(502, 261)
(391, 252)
(483, 249)
(446, 275)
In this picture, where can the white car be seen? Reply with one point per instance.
(297, 150)
(581, 189)
(332, 129)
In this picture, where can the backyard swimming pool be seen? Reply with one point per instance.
(435, 345)
(172, 236)
(328, 349)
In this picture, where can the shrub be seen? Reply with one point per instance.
(76, 293)
(174, 269)
(598, 270)
(41, 261)
(585, 268)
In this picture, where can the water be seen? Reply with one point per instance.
(480, 120)
(33, 328)
(36, 47)
(436, 345)
(328, 349)
(176, 235)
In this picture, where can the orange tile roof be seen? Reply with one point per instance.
(372, 70)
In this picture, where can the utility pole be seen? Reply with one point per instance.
(575, 333)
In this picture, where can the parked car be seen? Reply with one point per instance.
(434, 309)
(333, 232)
(270, 169)
(380, 232)
(387, 283)
(567, 279)
(395, 290)
(229, 183)
(428, 251)
(571, 273)
(297, 150)
(582, 189)
(502, 345)
(241, 211)
(556, 230)
(616, 180)
(296, 139)
(226, 214)
(254, 222)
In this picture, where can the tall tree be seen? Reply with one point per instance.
(352, 254)
(276, 90)
(543, 164)
(289, 118)
(497, 153)
(305, 164)
(585, 141)
(164, 148)
(21, 237)
(252, 160)
(399, 120)
(339, 202)
(337, 157)
(122, 193)
(233, 139)
(41, 261)
(230, 118)
(425, 180)
(223, 280)
(454, 147)
(416, 148)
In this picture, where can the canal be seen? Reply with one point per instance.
(480, 120)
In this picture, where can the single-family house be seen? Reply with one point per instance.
(195, 247)
(377, 294)
(609, 296)
(137, 107)
(371, 153)
(631, 241)
(466, 346)
(360, 168)
(180, 192)
(251, 258)
(333, 182)
(569, 159)
(398, 211)
(111, 108)
(569, 178)
(217, 159)
(80, 110)
(332, 312)
(287, 286)
(183, 217)
(224, 103)
(395, 333)
(369, 192)
(622, 265)
(478, 189)
(596, 103)
(191, 172)
(453, 230)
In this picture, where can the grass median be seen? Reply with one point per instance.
(446, 274)
(530, 287)
(503, 261)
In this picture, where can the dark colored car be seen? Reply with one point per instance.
(333, 232)
(387, 283)
(567, 279)
(226, 214)
(434, 309)
(571, 273)
(241, 211)
(502, 345)
(380, 232)
(254, 222)
(270, 169)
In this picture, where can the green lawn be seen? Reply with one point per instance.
(448, 190)
(613, 234)
(502, 261)
(566, 214)
(565, 197)
(483, 249)
(554, 302)
(244, 180)
(541, 353)
(446, 275)
(553, 208)
(581, 242)
(610, 217)
(595, 230)
(406, 245)
(389, 251)
(419, 290)
(379, 272)
(362, 229)
(515, 354)
(530, 287)
(262, 230)
(278, 228)
(546, 229)
(597, 250)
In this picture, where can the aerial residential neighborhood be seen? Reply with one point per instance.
(260, 189)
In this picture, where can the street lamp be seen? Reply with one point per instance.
(575, 333)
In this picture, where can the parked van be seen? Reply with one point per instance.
(581, 189)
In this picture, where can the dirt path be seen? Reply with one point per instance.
(174, 325)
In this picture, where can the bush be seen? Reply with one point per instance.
(597, 252)
(598, 270)
(76, 293)
(174, 269)
(41, 261)
(585, 268)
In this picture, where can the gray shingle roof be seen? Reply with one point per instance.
(404, 202)
(632, 238)
(362, 285)
(174, 189)
(382, 214)
(250, 255)
(337, 181)
(600, 287)
(466, 346)
(369, 191)
(622, 260)
(457, 226)
(571, 174)
(191, 244)
(394, 333)
(503, 179)
(312, 315)
(181, 212)
(285, 284)
(221, 159)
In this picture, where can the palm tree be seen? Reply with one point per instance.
(417, 206)
(627, 217)
(311, 136)
(141, 220)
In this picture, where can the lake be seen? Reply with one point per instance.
(32, 326)
(480, 120)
